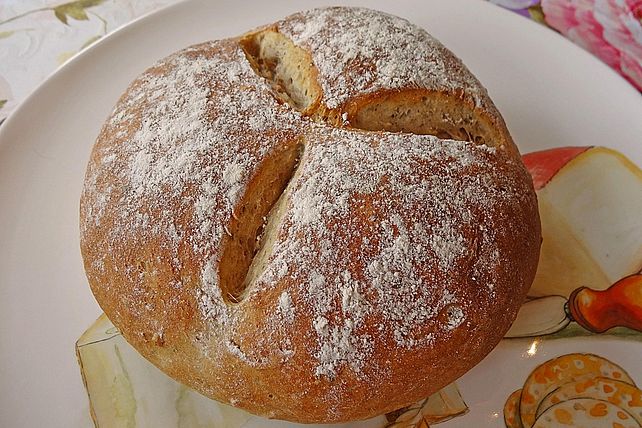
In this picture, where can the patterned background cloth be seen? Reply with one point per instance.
(610, 29)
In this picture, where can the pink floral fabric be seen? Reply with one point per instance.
(610, 29)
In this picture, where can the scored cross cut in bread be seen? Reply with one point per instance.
(295, 74)
(382, 85)
(254, 246)
(288, 68)
(423, 112)
(251, 229)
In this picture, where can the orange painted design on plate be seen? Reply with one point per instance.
(622, 415)
(564, 417)
(598, 410)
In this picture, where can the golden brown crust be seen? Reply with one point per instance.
(465, 121)
(389, 266)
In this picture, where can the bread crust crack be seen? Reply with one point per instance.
(255, 222)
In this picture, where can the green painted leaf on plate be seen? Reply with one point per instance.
(61, 16)
(2, 103)
(89, 3)
(5, 34)
(70, 10)
(537, 14)
(90, 41)
(75, 10)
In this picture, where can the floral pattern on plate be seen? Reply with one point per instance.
(609, 29)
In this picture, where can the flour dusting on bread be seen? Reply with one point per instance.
(391, 52)
(381, 256)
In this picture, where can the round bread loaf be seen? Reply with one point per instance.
(322, 220)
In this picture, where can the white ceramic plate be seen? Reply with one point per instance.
(550, 92)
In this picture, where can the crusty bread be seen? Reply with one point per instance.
(252, 242)
(424, 88)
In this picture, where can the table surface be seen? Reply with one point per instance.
(38, 36)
